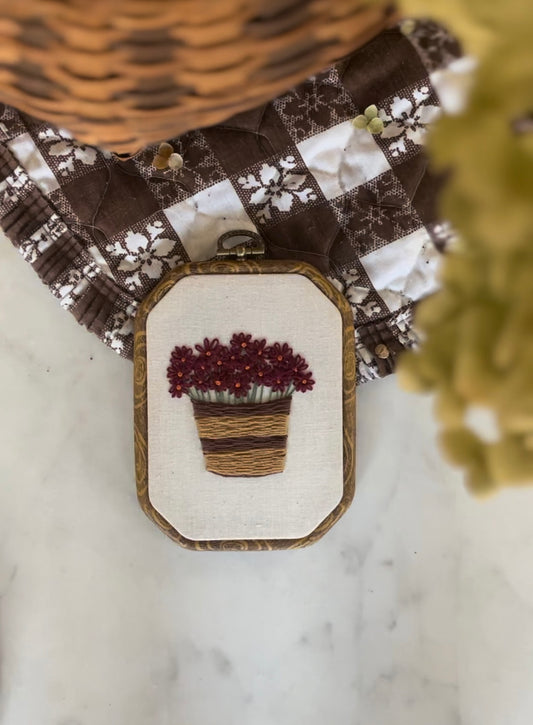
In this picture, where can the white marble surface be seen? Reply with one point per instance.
(416, 609)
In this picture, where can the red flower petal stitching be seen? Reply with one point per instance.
(209, 347)
(279, 354)
(240, 341)
(304, 383)
(240, 386)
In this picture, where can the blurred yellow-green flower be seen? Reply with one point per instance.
(477, 331)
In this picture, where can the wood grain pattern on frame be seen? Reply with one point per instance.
(262, 267)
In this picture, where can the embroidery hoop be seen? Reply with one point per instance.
(245, 258)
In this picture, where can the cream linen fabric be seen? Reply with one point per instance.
(202, 505)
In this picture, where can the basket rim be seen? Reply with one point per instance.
(206, 408)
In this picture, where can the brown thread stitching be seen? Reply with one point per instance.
(229, 445)
(212, 410)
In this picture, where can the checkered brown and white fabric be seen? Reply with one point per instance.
(101, 231)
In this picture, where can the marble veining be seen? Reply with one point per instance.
(416, 609)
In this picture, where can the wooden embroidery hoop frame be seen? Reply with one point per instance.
(244, 264)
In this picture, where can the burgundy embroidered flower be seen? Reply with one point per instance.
(220, 357)
(280, 380)
(234, 359)
(219, 381)
(262, 374)
(200, 382)
(240, 342)
(247, 366)
(202, 366)
(182, 355)
(304, 383)
(209, 348)
(240, 385)
(247, 369)
(257, 349)
(178, 390)
(297, 364)
(179, 380)
(179, 371)
(279, 354)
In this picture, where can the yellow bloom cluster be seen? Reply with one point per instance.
(477, 332)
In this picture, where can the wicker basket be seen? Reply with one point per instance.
(244, 440)
(127, 73)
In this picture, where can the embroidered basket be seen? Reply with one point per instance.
(131, 72)
(244, 440)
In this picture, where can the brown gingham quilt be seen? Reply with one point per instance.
(101, 231)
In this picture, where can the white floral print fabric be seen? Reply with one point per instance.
(144, 254)
(277, 187)
(118, 335)
(71, 289)
(14, 186)
(407, 120)
(42, 239)
(69, 152)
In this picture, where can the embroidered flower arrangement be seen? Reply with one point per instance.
(241, 395)
(245, 371)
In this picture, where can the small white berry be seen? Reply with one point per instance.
(175, 161)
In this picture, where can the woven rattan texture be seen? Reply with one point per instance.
(127, 73)
(227, 427)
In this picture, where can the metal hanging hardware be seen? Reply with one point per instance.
(253, 248)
